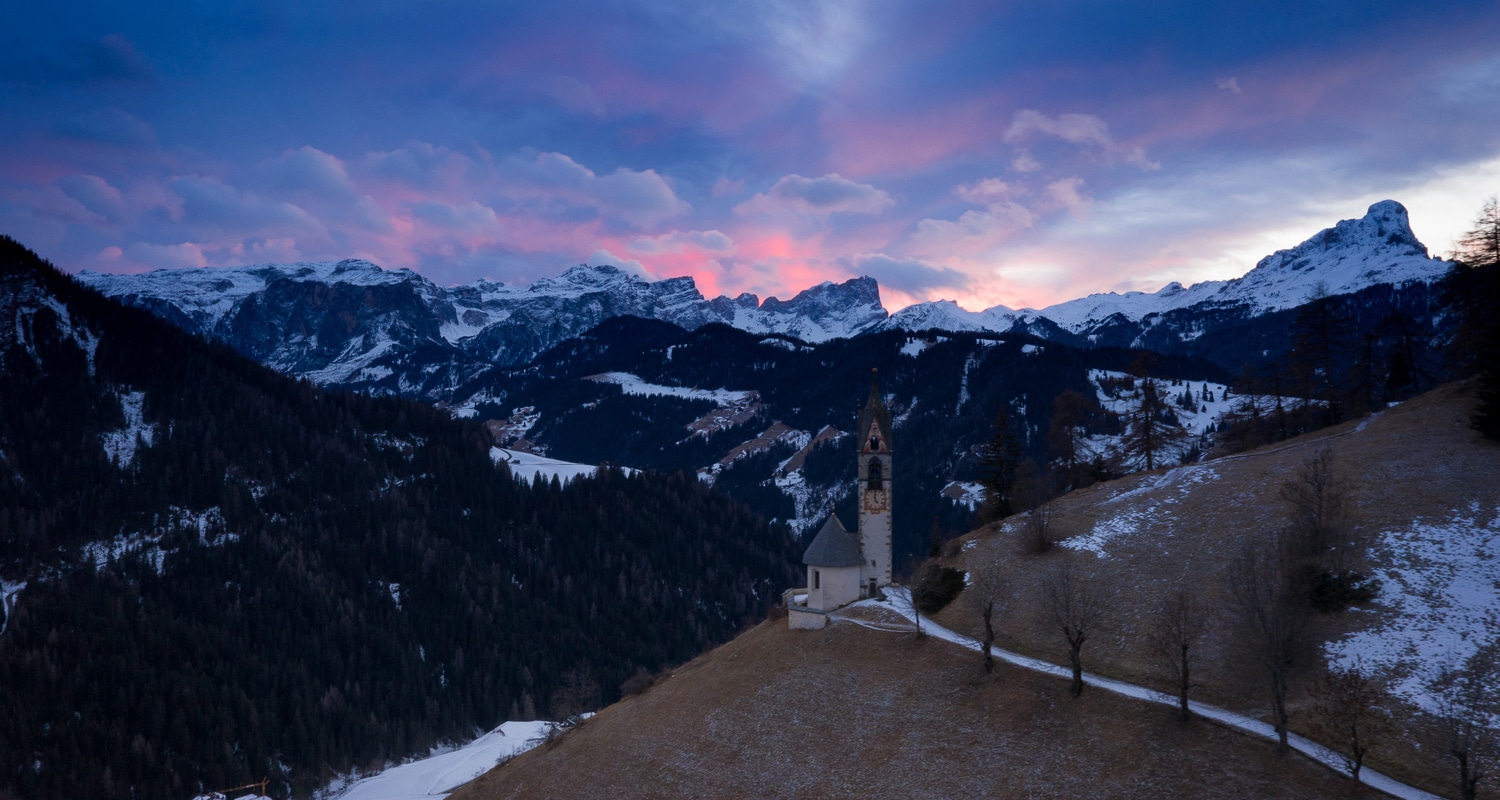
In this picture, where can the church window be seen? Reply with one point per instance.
(817, 580)
(875, 473)
(874, 443)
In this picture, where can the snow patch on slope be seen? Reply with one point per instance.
(531, 467)
(120, 445)
(1158, 517)
(631, 384)
(148, 543)
(1440, 584)
(9, 596)
(439, 774)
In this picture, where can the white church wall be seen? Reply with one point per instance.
(831, 587)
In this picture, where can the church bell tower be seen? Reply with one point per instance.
(874, 489)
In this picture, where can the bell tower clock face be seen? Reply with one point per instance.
(875, 501)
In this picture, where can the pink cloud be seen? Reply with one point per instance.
(725, 187)
(1067, 194)
(974, 232)
(96, 195)
(679, 241)
(642, 198)
(872, 142)
(987, 190)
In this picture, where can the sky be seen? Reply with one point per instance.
(997, 153)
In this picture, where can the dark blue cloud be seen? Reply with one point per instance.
(106, 126)
(909, 275)
(108, 59)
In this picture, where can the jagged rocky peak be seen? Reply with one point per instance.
(585, 276)
(1354, 254)
(861, 291)
(1385, 228)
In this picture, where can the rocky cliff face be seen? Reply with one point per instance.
(353, 324)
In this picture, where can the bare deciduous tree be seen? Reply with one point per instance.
(1350, 714)
(1179, 627)
(1317, 501)
(1272, 614)
(986, 593)
(1468, 701)
(1034, 494)
(1075, 606)
(578, 692)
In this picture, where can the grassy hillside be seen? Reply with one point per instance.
(1423, 491)
(854, 712)
(857, 711)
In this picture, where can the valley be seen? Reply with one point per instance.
(447, 508)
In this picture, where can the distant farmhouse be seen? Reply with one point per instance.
(844, 567)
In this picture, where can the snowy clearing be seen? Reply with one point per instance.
(901, 604)
(1440, 585)
(120, 445)
(968, 494)
(444, 771)
(630, 384)
(9, 592)
(147, 543)
(530, 466)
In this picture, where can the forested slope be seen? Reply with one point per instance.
(221, 574)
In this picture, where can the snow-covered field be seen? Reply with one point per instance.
(530, 466)
(440, 773)
(630, 384)
(1440, 589)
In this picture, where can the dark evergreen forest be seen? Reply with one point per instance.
(944, 399)
(294, 582)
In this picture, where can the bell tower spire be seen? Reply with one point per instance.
(875, 446)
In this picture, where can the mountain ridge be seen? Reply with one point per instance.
(358, 325)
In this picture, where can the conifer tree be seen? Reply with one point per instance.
(999, 458)
(1320, 348)
(1153, 428)
(1475, 293)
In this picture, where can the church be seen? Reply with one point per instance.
(843, 567)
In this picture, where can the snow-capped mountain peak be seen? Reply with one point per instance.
(1352, 255)
(1376, 248)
